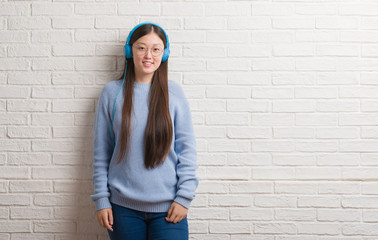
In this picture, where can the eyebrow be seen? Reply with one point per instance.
(152, 44)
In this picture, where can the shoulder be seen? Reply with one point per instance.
(110, 89)
(176, 90)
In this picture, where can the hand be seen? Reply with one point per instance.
(105, 218)
(176, 213)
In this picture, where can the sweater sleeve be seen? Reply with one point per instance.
(185, 148)
(102, 152)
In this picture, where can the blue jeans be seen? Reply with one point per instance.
(136, 225)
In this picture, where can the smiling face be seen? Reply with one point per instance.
(146, 63)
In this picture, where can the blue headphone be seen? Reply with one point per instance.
(127, 48)
(129, 54)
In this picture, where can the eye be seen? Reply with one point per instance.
(141, 48)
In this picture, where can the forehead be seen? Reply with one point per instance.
(151, 39)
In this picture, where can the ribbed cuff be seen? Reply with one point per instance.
(103, 203)
(183, 201)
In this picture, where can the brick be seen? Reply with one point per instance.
(147, 9)
(201, 23)
(72, 22)
(31, 105)
(48, 145)
(317, 173)
(293, 132)
(275, 201)
(13, 118)
(339, 188)
(263, 173)
(59, 36)
(28, 132)
(226, 37)
(338, 215)
(15, 226)
(57, 200)
(251, 187)
(229, 227)
(95, 9)
(227, 119)
(72, 132)
(248, 23)
(31, 213)
(247, 105)
(51, 9)
(295, 215)
(53, 64)
(319, 202)
(97, 64)
(362, 229)
(275, 228)
(14, 64)
(228, 92)
(14, 145)
(229, 201)
(28, 78)
(226, 9)
(319, 119)
(296, 188)
(261, 36)
(14, 9)
(292, 105)
(96, 36)
(209, 214)
(28, 158)
(77, 49)
(251, 214)
(249, 159)
(110, 22)
(202, 105)
(13, 37)
(49, 119)
(14, 92)
(30, 186)
(319, 228)
(276, 9)
(55, 227)
(232, 173)
(28, 23)
(334, 22)
(293, 22)
(15, 200)
(248, 132)
(73, 105)
(273, 64)
(228, 146)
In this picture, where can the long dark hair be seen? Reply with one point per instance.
(159, 131)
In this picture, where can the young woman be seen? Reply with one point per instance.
(144, 146)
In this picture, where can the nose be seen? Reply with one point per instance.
(148, 53)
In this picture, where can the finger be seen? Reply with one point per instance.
(111, 217)
(107, 224)
(169, 215)
(176, 220)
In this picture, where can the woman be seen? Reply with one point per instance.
(144, 146)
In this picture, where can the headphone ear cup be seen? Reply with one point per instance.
(127, 51)
(165, 55)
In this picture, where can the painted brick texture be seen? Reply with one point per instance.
(284, 99)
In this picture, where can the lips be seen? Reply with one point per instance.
(147, 64)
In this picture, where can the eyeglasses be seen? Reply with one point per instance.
(142, 50)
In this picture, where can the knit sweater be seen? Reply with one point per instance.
(130, 183)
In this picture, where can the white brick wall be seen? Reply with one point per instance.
(284, 95)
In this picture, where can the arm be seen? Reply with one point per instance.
(102, 153)
(185, 148)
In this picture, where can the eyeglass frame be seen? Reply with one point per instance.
(149, 50)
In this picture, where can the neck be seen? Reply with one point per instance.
(144, 78)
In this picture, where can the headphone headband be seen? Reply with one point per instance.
(127, 48)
